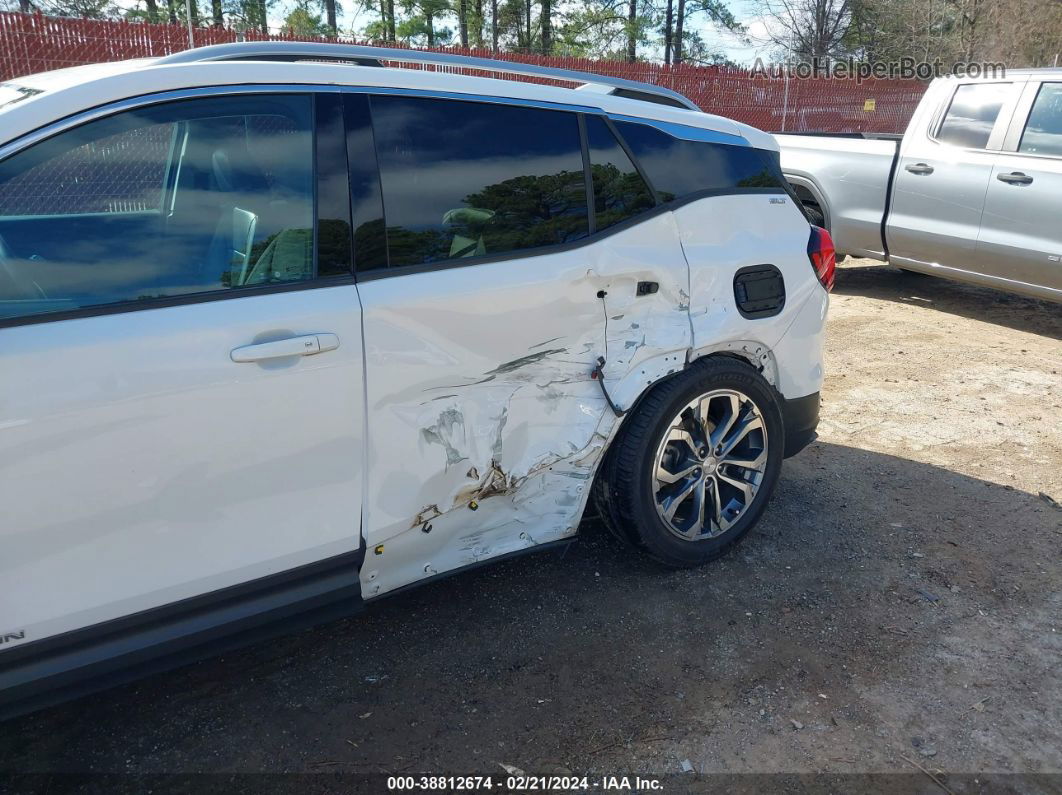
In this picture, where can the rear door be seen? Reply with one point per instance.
(180, 357)
(1021, 238)
(943, 172)
(488, 297)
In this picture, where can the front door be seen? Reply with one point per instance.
(181, 387)
(941, 177)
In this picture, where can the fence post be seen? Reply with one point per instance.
(785, 101)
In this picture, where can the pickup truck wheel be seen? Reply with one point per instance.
(691, 472)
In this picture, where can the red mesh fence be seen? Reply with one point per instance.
(32, 43)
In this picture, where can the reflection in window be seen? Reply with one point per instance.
(468, 179)
(1043, 130)
(619, 191)
(677, 167)
(183, 197)
(972, 114)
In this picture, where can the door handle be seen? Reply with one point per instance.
(1015, 178)
(306, 345)
(920, 168)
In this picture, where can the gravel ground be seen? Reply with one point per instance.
(899, 606)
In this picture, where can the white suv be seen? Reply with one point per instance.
(282, 332)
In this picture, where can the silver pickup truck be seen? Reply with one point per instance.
(972, 191)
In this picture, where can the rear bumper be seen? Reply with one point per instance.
(800, 417)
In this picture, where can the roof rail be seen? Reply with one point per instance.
(372, 56)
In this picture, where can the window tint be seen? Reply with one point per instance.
(183, 197)
(370, 240)
(467, 179)
(619, 191)
(677, 167)
(333, 196)
(1043, 130)
(972, 114)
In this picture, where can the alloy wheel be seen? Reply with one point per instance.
(710, 464)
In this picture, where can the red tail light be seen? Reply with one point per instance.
(823, 256)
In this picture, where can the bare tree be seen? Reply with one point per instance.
(809, 28)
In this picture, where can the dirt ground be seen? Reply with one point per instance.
(900, 605)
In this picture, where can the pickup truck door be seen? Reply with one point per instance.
(181, 404)
(945, 165)
(1021, 235)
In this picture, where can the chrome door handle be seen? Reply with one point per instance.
(1015, 178)
(306, 345)
(920, 168)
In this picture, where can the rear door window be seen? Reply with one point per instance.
(678, 167)
(1043, 130)
(619, 190)
(202, 195)
(972, 114)
(472, 179)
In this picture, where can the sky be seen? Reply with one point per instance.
(744, 53)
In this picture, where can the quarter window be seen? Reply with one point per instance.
(972, 114)
(470, 179)
(1043, 130)
(619, 190)
(677, 167)
(172, 199)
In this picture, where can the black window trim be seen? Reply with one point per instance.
(595, 235)
(359, 275)
(133, 103)
(588, 177)
(630, 153)
(339, 169)
(543, 251)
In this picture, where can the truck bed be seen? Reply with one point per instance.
(855, 172)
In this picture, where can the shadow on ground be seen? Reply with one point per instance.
(977, 303)
(901, 592)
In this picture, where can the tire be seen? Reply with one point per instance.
(632, 499)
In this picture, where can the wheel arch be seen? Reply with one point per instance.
(809, 191)
(752, 353)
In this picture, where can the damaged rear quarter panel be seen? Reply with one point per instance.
(484, 426)
(723, 234)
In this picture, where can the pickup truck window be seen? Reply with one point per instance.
(1043, 130)
(678, 168)
(468, 179)
(972, 114)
